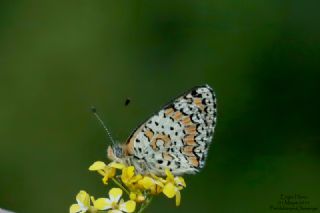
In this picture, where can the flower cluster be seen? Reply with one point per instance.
(139, 188)
(112, 203)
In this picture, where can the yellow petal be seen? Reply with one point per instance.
(114, 211)
(147, 182)
(74, 208)
(160, 179)
(159, 183)
(159, 189)
(115, 194)
(130, 171)
(141, 198)
(127, 174)
(102, 204)
(178, 198)
(169, 190)
(116, 165)
(128, 206)
(110, 171)
(136, 178)
(133, 196)
(83, 198)
(105, 179)
(180, 181)
(98, 165)
(170, 176)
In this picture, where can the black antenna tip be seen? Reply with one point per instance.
(127, 102)
(93, 109)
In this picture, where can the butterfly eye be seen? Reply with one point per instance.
(117, 150)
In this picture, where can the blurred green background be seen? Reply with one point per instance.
(58, 58)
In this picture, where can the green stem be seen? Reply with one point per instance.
(121, 186)
(145, 205)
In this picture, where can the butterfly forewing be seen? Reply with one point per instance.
(178, 136)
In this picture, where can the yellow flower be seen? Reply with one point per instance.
(112, 203)
(172, 187)
(83, 203)
(154, 184)
(129, 179)
(107, 171)
(137, 196)
(127, 174)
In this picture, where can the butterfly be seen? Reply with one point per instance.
(176, 138)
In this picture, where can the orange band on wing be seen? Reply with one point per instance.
(169, 111)
(191, 130)
(177, 116)
(129, 146)
(188, 150)
(186, 121)
(165, 138)
(149, 134)
(167, 156)
(198, 103)
(193, 161)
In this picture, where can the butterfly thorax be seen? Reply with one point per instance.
(119, 153)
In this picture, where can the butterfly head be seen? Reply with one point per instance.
(116, 153)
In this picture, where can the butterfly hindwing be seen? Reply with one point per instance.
(178, 136)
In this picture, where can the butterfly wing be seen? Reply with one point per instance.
(178, 136)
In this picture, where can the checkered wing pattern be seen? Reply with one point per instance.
(178, 136)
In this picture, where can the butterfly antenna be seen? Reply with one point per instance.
(94, 111)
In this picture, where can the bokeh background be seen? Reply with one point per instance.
(57, 58)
